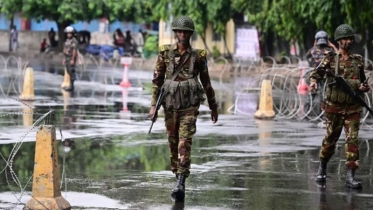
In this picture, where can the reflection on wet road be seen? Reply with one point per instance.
(108, 161)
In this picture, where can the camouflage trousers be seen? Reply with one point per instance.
(181, 126)
(334, 125)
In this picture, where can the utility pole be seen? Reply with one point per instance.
(10, 32)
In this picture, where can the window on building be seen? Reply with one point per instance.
(194, 36)
(216, 36)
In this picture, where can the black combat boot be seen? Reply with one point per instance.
(321, 173)
(178, 193)
(71, 87)
(351, 182)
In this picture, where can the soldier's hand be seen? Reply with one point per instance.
(330, 44)
(364, 87)
(313, 87)
(63, 62)
(214, 115)
(151, 113)
(72, 62)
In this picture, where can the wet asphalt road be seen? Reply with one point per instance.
(108, 161)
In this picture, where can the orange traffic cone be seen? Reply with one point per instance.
(125, 82)
(124, 99)
(125, 113)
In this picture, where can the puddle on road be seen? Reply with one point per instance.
(134, 170)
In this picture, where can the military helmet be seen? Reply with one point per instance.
(69, 29)
(321, 37)
(183, 23)
(344, 31)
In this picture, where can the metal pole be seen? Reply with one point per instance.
(366, 48)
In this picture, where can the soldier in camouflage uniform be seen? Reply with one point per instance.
(317, 52)
(341, 111)
(183, 100)
(314, 56)
(70, 52)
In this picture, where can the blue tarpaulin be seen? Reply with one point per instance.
(105, 51)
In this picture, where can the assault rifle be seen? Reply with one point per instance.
(341, 82)
(161, 94)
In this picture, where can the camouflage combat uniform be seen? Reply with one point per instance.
(182, 102)
(341, 110)
(314, 57)
(316, 54)
(69, 46)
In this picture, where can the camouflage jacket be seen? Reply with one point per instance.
(316, 54)
(69, 46)
(162, 71)
(352, 70)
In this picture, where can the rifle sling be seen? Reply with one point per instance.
(176, 72)
(336, 64)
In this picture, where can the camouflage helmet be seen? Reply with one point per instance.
(344, 31)
(183, 23)
(321, 37)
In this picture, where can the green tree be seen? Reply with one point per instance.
(130, 10)
(305, 17)
(219, 12)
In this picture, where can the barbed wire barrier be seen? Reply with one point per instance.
(289, 81)
(96, 69)
(13, 181)
(285, 79)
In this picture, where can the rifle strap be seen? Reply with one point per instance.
(180, 67)
(336, 64)
(171, 55)
(191, 65)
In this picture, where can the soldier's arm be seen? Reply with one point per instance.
(74, 45)
(318, 73)
(361, 68)
(158, 76)
(205, 80)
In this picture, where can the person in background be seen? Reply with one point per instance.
(43, 45)
(52, 38)
(118, 38)
(14, 38)
(70, 52)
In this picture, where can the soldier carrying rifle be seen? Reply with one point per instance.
(176, 87)
(343, 102)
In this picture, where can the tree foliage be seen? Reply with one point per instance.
(288, 18)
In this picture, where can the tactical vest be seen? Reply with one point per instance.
(350, 71)
(68, 47)
(182, 94)
(318, 54)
